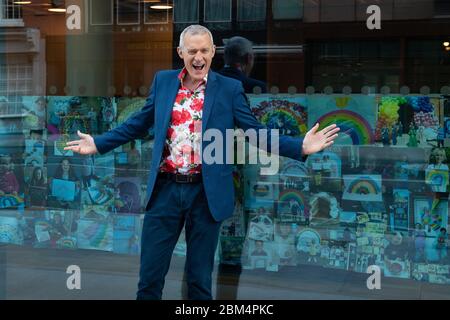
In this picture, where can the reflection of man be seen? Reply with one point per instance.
(183, 189)
(239, 60)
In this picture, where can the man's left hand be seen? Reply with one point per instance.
(316, 141)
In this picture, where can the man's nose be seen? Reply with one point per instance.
(198, 57)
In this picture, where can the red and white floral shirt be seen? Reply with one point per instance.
(182, 150)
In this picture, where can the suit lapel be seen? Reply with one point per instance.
(171, 94)
(210, 94)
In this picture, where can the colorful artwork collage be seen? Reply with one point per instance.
(378, 196)
(53, 198)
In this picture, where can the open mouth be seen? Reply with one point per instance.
(199, 67)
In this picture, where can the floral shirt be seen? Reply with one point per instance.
(182, 149)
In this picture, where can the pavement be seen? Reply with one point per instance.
(27, 273)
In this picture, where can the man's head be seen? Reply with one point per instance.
(197, 50)
(238, 52)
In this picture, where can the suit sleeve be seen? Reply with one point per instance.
(288, 146)
(133, 128)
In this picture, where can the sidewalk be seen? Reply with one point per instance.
(41, 274)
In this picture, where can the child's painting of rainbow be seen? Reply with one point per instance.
(432, 214)
(355, 115)
(95, 235)
(351, 124)
(291, 194)
(362, 188)
(67, 243)
(285, 113)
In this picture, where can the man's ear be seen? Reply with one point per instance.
(180, 52)
(213, 50)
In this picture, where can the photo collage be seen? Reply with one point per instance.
(378, 196)
(53, 198)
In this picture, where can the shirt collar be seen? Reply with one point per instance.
(183, 74)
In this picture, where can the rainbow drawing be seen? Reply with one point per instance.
(291, 194)
(67, 243)
(350, 123)
(288, 114)
(364, 186)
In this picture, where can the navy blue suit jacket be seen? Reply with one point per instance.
(225, 107)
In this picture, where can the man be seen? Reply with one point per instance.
(182, 189)
(239, 60)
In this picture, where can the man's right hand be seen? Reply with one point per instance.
(85, 145)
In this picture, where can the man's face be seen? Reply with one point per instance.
(197, 55)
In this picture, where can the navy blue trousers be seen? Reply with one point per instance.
(174, 205)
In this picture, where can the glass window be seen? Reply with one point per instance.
(287, 9)
(128, 12)
(379, 196)
(102, 12)
(251, 10)
(156, 13)
(218, 11)
(186, 11)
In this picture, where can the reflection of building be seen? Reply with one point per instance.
(10, 14)
(22, 65)
(123, 43)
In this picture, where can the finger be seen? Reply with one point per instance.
(82, 135)
(73, 143)
(72, 148)
(332, 132)
(329, 128)
(332, 138)
(326, 145)
(315, 128)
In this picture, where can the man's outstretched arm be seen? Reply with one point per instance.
(135, 127)
(292, 147)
